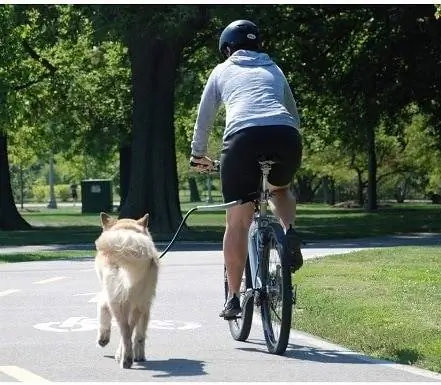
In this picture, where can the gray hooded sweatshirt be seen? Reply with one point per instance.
(255, 93)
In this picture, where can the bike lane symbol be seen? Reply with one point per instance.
(83, 324)
(72, 324)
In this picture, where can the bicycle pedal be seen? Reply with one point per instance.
(232, 318)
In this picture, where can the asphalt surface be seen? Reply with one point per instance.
(48, 328)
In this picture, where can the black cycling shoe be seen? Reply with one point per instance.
(292, 250)
(231, 309)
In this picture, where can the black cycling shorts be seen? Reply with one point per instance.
(239, 167)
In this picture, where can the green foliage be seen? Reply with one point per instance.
(63, 192)
(40, 193)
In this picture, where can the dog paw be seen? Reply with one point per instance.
(103, 342)
(127, 362)
(139, 358)
(103, 338)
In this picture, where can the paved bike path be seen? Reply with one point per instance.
(49, 320)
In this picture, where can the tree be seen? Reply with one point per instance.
(155, 37)
(16, 74)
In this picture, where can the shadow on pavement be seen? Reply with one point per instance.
(308, 353)
(173, 367)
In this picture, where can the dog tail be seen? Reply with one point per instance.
(127, 247)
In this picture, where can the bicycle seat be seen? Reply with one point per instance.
(268, 160)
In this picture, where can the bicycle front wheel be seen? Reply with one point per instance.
(277, 294)
(240, 326)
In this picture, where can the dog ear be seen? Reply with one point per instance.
(144, 220)
(107, 221)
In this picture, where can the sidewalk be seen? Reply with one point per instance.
(418, 239)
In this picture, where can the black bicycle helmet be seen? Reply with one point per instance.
(240, 34)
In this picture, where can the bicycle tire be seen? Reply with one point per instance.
(277, 286)
(240, 327)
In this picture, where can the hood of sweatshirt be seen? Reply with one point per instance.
(250, 58)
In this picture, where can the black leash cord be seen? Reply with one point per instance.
(177, 231)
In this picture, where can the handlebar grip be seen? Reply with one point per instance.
(215, 165)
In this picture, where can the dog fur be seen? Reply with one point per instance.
(127, 266)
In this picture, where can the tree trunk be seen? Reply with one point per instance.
(372, 170)
(153, 186)
(194, 192)
(305, 189)
(328, 187)
(125, 154)
(332, 192)
(21, 188)
(10, 218)
(360, 188)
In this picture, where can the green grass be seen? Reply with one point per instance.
(385, 303)
(314, 221)
(44, 256)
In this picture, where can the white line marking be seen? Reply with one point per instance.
(71, 322)
(22, 375)
(7, 292)
(53, 279)
(85, 294)
(94, 299)
(317, 342)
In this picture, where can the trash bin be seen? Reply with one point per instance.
(96, 195)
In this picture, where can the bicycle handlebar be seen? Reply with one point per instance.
(214, 168)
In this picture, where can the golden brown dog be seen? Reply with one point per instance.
(127, 266)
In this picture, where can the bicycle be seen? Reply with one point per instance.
(263, 286)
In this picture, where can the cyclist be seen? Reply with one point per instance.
(261, 120)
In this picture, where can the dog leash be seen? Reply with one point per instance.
(178, 231)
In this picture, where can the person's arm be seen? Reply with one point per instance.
(210, 101)
(290, 102)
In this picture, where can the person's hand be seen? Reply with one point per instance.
(201, 163)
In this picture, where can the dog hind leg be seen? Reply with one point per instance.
(124, 353)
(140, 335)
(104, 322)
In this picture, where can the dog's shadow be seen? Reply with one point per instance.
(173, 367)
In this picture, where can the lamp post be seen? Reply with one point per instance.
(52, 201)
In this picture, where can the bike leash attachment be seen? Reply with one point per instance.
(219, 207)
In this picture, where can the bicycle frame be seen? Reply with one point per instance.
(261, 219)
(255, 240)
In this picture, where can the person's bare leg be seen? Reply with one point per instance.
(283, 205)
(235, 247)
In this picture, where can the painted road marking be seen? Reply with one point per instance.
(84, 324)
(94, 299)
(72, 324)
(173, 325)
(7, 292)
(53, 279)
(22, 375)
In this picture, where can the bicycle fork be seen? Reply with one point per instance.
(255, 246)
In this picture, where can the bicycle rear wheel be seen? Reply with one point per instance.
(277, 294)
(240, 327)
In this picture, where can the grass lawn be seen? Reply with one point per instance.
(314, 221)
(385, 303)
(44, 256)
